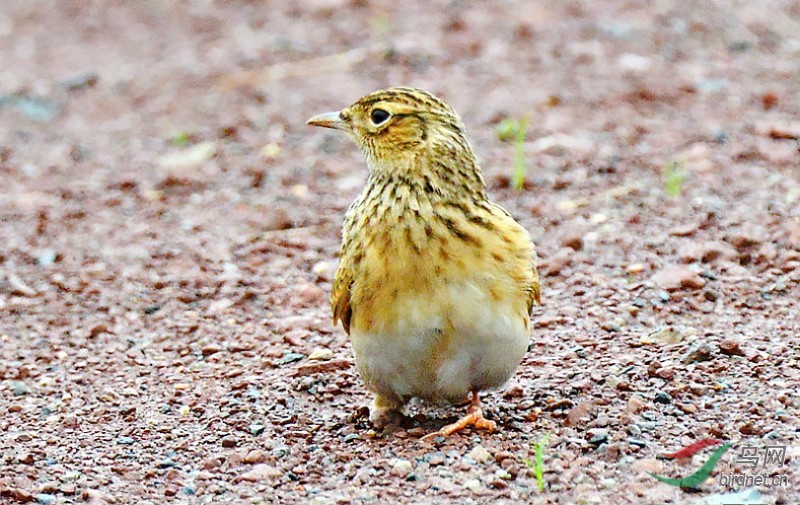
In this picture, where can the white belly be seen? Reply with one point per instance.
(469, 342)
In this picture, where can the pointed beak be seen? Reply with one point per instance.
(329, 120)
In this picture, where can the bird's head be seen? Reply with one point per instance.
(406, 130)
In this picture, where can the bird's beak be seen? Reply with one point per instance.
(329, 120)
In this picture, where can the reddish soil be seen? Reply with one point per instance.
(169, 229)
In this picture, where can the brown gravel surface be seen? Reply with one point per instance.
(169, 229)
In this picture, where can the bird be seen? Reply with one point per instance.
(435, 283)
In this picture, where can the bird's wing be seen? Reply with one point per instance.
(340, 297)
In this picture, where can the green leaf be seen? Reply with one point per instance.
(537, 464)
(674, 175)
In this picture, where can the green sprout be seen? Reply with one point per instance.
(515, 129)
(674, 175)
(181, 139)
(537, 464)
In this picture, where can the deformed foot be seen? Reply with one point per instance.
(473, 418)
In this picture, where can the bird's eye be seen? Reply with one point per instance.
(378, 116)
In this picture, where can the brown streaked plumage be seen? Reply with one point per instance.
(435, 282)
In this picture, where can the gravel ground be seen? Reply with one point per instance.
(169, 230)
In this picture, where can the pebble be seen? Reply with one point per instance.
(45, 499)
(636, 268)
(559, 261)
(320, 354)
(663, 397)
(68, 489)
(707, 252)
(189, 157)
(211, 349)
(256, 429)
(473, 485)
(401, 467)
(291, 357)
(261, 472)
(311, 294)
(635, 405)
(598, 436)
(573, 241)
(698, 353)
(479, 454)
(125, 440)
(666, 335)
(20, 388)
(647, 465)
(255, 456)
(228, 441)
(731, 347)
(675, 277)
(436, 459)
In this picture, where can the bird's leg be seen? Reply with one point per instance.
(474, 418)
(385, 410)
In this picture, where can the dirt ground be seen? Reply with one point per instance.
(169, 228)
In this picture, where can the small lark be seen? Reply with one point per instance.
(435, 282)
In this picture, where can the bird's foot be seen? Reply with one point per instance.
(473, 418)
(385, 412)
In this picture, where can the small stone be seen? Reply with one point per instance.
(731, 347)
(50, 487)
(96, 497)
(261, 472)
(311, 294)
(635, 405)
(675, 277)
(636, 268)
(229, 441)
(401, 467)
(686, 230)
(707, 252)
(68, 489)
(698, 353)
(479, 454)
(45, 499)
(20, 388)
(210, 463)
(666, 335)
(291, 357)
(473, 485)
(98, 329)
(647, 465)
(320, 354)
(573, 241)
(598, 437)
(211, 349)
(188, 157)
(256, 429)
(20, 495)
(559, 261)
(743, 241)
(18, 287)
(255, 456)
(663, 397)
(666, 373)
(125, 440)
